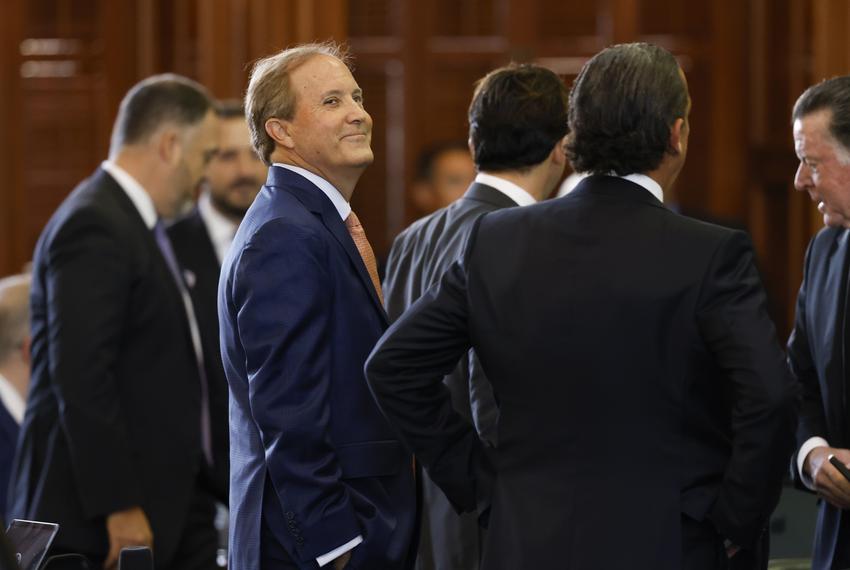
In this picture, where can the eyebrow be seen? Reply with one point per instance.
(357, 91)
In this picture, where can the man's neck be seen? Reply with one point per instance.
(532, 181)
(344, 180)
(137, 164)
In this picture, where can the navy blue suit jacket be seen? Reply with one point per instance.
(313, 461)
(816, 358)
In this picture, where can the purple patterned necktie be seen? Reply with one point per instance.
(171, 260)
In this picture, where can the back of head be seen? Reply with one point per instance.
(154, 102)
(14, 314)
(517, 115)
(622, 106)
(829, 95)
(269, 94)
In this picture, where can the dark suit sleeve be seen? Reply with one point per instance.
(88, 283)
(405, 372)
(284, 300)
(802, 366)
(734, 324)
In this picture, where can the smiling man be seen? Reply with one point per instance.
(317, 474)
(819, 340)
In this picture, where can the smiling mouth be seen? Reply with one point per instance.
(355, 136)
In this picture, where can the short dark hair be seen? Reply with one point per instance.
(517, 115)
(428, 157)
(230, 109)
(622, 106)
(833, 95)
(160, 99)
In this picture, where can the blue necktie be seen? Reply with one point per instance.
(171, 260)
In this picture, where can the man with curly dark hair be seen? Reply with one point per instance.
(646, 416)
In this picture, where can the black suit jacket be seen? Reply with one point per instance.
(642, 392)
(196, 255)
(113, 414)
(816, 356)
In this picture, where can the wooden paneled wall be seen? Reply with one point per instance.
(65, 64)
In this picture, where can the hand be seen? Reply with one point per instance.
(126, 528)
(342, 561)
(829, 482)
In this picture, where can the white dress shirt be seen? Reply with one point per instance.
(506, 187)
(137, 194)
(11, 400)
(340, 203)
(344, 209)
(648, 183)
(220, 228)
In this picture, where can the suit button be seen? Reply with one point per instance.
(300, 541)
(290, 515)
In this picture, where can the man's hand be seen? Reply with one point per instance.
(829, 482)
(341, 562)
(126, 528)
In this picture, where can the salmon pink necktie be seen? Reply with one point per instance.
(358, 234)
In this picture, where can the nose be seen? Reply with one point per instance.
(357, 113)
(803, 178)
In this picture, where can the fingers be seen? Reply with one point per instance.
(833, 486)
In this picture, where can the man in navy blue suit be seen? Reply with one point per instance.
(318, 477)
(14, 370)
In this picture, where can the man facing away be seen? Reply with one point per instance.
(115, 442)
(14, 370)
(818, 343)
(518, 120)
(201, 239)
(318, 477)
(645, 412)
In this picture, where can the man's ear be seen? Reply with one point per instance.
(559, 152)
(281, 132)
(169, 145)
(676, 135)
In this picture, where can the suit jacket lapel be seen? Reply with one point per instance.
(316, 201)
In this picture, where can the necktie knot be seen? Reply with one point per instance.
(352, 221)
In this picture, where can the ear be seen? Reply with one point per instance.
(169, 145)
(559, 152)
(676, 137)
(280, 132)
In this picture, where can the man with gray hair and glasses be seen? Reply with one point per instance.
(818, 346)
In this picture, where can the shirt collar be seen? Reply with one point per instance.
(647, 183)
(506, 187)
(11, 400)
(137, 194)
(220, 228)
(342, 207)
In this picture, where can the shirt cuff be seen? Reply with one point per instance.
(324, 559)
(805, 449)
